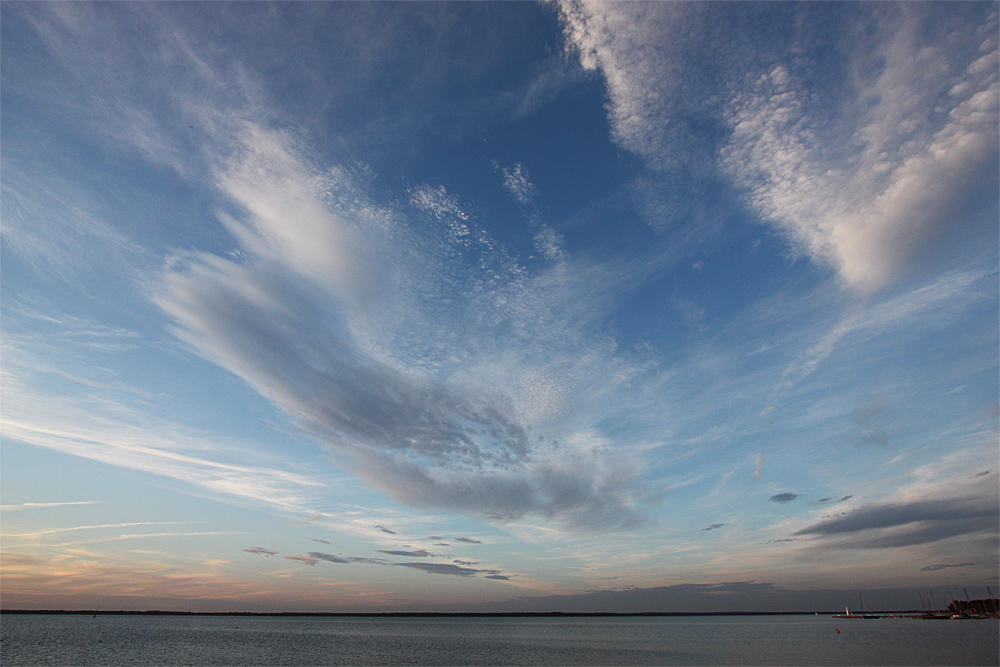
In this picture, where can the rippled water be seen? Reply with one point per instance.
(265, 640)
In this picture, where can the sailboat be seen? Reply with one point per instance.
(864, 612)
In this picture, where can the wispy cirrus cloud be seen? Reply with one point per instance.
(97, 527)
(350, 348)
(109, 421)
(163, 451)
(28, 506)
(452, 375)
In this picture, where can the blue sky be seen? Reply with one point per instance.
(377, 306)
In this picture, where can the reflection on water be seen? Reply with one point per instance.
(268, 640)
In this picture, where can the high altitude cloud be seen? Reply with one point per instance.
(429, 399)
(26, 506)
(866, 178)
(401, 335)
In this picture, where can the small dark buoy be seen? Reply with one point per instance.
(838, 632)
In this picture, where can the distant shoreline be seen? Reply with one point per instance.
(432, 614)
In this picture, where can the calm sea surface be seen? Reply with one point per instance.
(718, 640)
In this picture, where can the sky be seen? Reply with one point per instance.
(499, 306)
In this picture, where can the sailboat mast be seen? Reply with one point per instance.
(952, 602)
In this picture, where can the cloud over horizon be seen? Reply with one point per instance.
(695, 300)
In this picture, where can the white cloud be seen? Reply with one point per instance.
(107, 426)
(872, 188)
(152, 450)
(27, 506)
(47, 222)
(548, 242)
(807, 362)
(662, 84)
(910, 178)
(424, 374)
(518, 184)
(425, 352)
(635, 46)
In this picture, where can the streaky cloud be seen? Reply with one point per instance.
(419, 553)
(304, 560)
(890, 525)
(261, 551)
(944, 566)
(29, 506)
(307, 319)
(330, 558)
(442, 568)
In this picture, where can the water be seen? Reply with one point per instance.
(268, 640)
